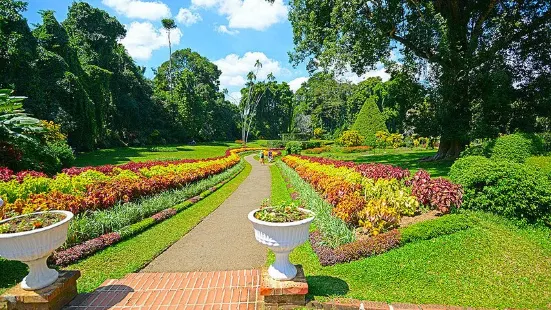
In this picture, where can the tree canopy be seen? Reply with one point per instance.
(480, 58)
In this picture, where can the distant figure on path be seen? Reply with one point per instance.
(270, 157)
(262, 157)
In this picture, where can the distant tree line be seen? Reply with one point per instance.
(78, 75)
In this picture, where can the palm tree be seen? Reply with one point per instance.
(169, 24)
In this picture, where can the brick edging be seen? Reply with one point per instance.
(351, 304)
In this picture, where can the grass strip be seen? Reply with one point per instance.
(280, 192)
(133, 254)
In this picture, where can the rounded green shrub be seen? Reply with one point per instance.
(351, 138)
(369, 121)
(483, 148)
(517, 147)
(503, 187)
(293, 147)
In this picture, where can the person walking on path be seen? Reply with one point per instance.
(262, 157)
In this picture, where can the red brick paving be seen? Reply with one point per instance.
(237, 289)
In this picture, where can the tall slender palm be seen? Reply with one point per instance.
(169, 24)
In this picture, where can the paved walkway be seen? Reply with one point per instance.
(224, 240)
(191, 290)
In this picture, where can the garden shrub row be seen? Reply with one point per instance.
(96, 188)
(72, 254)
(334, 230)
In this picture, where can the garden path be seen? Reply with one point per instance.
(224, 240)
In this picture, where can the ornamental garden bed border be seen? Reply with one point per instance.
(89, 247)
(374, 245)
(93, 190)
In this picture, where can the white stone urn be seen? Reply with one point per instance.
(281, 238)
(34, 247)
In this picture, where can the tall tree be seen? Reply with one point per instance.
(196, 102)
(250, 99)
(325, 100)
(169, 24)
(464, 44)
(274, 112)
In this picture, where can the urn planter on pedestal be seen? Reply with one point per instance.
(282, 238)
(33, 247)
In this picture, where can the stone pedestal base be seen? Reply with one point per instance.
(284, 294)
(52, 297)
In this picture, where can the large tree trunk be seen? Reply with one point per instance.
(448, 149)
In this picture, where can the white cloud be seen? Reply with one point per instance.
(234, 97)
(142, 39)
(187, 17)
(355, 79)
(224, 29)
(295, 84)
(247, 14)
(152, 10)
(234, 68)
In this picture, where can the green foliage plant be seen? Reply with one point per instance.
(514, 190)
(369, 121)
(351, 138)
(517, 147)
(293, 147)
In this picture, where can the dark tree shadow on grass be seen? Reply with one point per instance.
(11, 273)
(326, 286)
(112, 293)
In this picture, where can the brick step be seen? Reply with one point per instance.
(190, 290)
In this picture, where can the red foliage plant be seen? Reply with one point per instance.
(355, 250)
(6, 174)
(438, 193)
(70, 255)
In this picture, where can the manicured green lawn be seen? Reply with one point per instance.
(133, 254)
(280, 194)
(404, 158)
(125, 154)
(495, 264)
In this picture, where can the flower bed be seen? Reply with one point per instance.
(64, 257)
(95, 188)
(334, 243)
(374, 196)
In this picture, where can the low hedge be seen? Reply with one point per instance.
(514, 190)
(445, 225)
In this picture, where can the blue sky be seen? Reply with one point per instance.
(231, 33)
